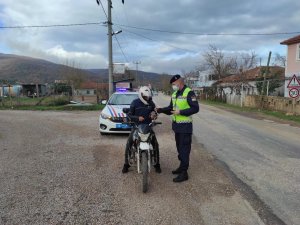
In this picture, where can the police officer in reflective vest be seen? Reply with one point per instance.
(183, 104)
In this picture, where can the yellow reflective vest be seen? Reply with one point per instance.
(181, 103)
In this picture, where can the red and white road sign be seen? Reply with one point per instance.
(294, 82)
(294, 93)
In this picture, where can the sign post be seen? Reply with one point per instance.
(294, 86)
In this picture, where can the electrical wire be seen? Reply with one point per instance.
(140, 35)
(114, 35)
(208, 34)
(149, 29)
(53, 25)
(126, 60)
(114, 32)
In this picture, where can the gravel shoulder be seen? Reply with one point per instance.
(55, 168)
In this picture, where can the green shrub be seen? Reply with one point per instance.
(57, 101)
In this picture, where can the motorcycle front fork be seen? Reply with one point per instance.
(150, 163)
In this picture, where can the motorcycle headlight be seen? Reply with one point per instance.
(104, 116)
(144, 137)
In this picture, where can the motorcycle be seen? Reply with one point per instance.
(142, 153)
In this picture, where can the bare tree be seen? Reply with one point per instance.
(279, 60)
(190, 77)
(218, 63)
(244, 63)
(73, 75)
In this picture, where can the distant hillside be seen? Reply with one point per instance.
(30, 70)
(27, 70)
(141, 77)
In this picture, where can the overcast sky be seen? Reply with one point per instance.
(172, 50)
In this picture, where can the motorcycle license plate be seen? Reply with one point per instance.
(123, 126)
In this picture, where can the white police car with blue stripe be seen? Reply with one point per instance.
(112, 117)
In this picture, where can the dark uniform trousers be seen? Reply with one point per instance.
(183, 144)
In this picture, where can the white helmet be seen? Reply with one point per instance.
(145, 94)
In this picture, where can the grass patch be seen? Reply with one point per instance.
(58, 107)
(44, 103)
(282, 116)
(235, 108)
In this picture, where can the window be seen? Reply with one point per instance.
(298, 52)
(87, 92)
(122, 99)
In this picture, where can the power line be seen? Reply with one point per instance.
(121, 49)
(53, 25)
(104, 10)
(149, 29)
(209, 34)
(159, 41)
(113, 32)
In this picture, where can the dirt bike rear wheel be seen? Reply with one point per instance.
(144, 166)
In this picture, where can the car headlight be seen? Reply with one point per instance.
(144, 137)
(104, 116)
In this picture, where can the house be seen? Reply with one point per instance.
(250, 82)
(91, 92)
(34, 90)
(292, 62)
(206, 79)
(198, 82)
(10, 90)
(29, 90)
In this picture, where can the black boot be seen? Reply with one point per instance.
(125, 168)
(177, 171)
(183, 176)
(157, 168)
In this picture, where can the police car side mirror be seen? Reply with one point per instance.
(125, 110)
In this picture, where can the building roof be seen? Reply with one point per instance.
(293, 40)
(93, 85)
(253, 74)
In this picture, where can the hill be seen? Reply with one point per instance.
(27, 70)
(32, 70)
(140, 77)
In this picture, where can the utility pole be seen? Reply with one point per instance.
(136, 70)
(110, 34)
(110, 58)
(263, 86)
(266, 73)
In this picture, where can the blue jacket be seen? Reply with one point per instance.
(138, 108)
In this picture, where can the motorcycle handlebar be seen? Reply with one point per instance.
(152, 123)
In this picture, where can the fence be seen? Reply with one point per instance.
(282, 104)
(273, 103)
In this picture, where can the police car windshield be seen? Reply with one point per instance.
(122, 99)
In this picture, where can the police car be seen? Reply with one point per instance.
(112, 116)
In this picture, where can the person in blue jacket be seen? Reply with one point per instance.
(183, 104)
(142, 111)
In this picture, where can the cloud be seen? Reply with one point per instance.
(158, 51)
(90, 60)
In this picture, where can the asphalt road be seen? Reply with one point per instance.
(262, 153)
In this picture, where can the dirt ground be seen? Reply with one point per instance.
(55, 168)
